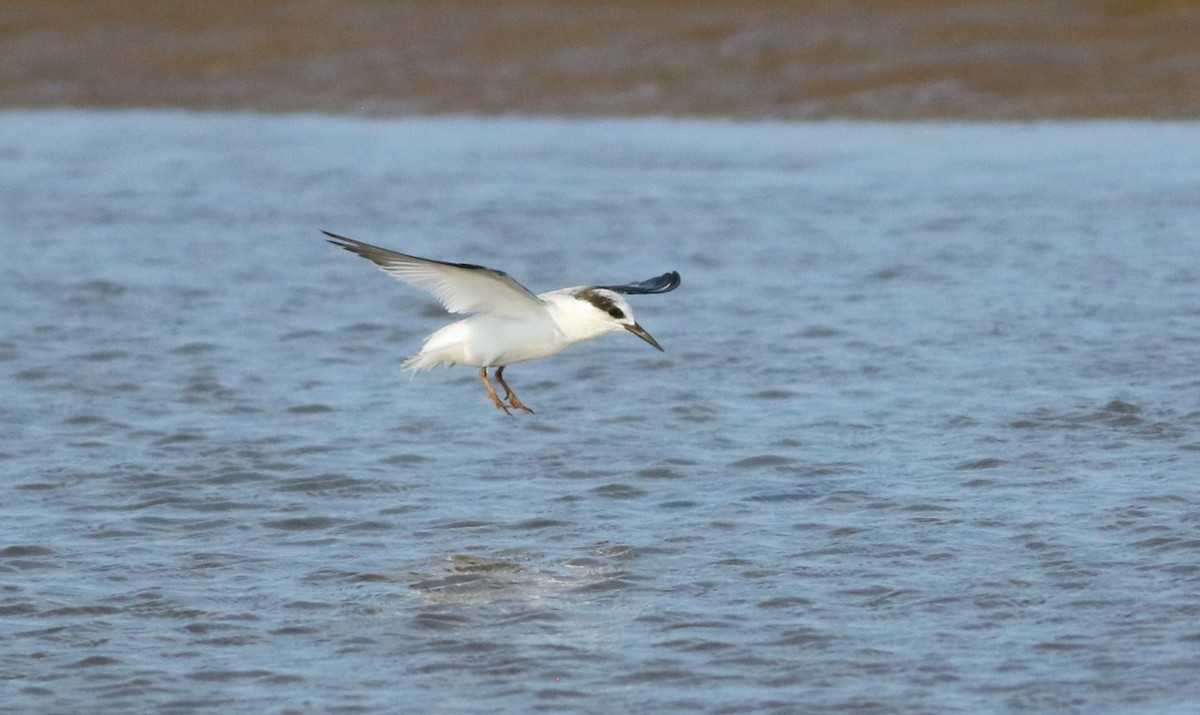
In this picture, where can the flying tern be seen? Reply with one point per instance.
(509, 324)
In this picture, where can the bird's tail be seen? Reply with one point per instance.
(423, 361)
(444, 347)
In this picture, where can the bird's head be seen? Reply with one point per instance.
(608, 312)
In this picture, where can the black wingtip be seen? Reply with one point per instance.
(662, 284)
(349, 244)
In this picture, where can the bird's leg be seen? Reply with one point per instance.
(509, 394)
(491, 391)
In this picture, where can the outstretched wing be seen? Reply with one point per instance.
(662, 284)
(461, 287)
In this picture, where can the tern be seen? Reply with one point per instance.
(509, 323)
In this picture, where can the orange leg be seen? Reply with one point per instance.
(509, 394)
(491, 391)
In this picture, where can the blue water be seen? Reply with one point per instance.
(925, 438)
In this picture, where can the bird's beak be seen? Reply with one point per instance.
(641, 333)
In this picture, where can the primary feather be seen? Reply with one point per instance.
(662, 284)
(460, 287)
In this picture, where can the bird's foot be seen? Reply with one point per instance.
(492, 392)
(509, 395)
(516, 404)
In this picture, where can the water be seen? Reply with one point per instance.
(925, 437)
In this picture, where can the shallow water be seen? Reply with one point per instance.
(925, 436)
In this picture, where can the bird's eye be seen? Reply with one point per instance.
(616, 313)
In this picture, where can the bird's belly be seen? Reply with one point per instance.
(492, 341)
(504, 342)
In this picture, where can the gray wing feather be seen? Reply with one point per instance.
(460, 287)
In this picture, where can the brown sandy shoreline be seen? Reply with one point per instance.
(974, 59)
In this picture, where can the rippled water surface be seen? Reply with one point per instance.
(925, 437)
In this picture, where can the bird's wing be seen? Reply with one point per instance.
(662, 284)
(461, 287)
